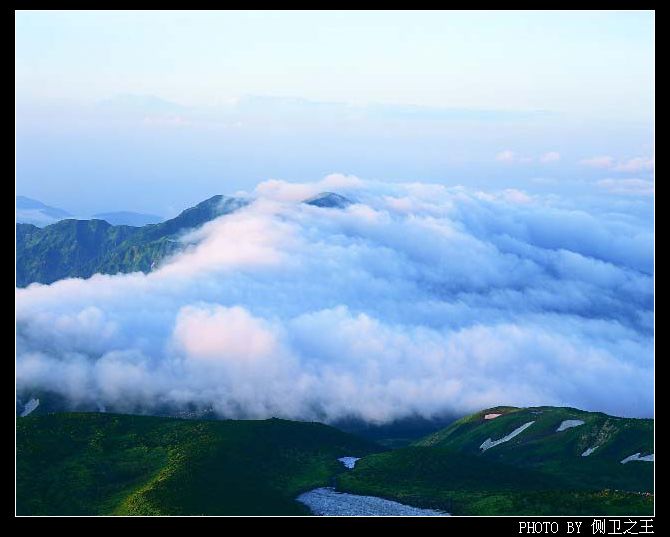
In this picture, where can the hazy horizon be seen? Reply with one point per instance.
(154, 112)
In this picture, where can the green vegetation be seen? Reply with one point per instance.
(81, 248)
(538, 472)
(91, 463)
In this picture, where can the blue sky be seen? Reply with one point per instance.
(154, 111)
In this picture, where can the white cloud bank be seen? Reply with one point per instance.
(417, 299)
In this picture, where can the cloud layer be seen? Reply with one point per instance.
(418, 299)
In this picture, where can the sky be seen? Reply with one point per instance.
(498, 248)
(155, 111)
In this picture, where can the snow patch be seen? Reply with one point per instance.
(567, 424)
(589, 451)
(636, 457)
(491, 416)
(29, 407)
(488, 443)
(349, 462)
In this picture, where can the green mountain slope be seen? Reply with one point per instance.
(538, 471)
(91, 463)
(81, 248)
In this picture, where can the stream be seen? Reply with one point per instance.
(326, 501)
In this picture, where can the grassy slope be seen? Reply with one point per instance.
(103, 463)
(69, 248)
(81, 248)
(538, 472)
(92, 463)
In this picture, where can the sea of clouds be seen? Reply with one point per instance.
(418, 299)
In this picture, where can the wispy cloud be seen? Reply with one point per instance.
(168, 120)
(636, 164)
(603, 161)
(506, 156)
(510, 156)
(629, 187)
(607, 162)
(551, 156)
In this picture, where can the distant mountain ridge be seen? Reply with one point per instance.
(32, 211)
(74, 248)
(329, 199)
(128, 218)
(24, 202)
(81, 248)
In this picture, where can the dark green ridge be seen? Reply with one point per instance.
(538, 472)
(80, 248)
(92, 463)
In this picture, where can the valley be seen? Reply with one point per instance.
(95, 463)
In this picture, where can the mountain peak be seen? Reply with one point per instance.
(329, 199)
